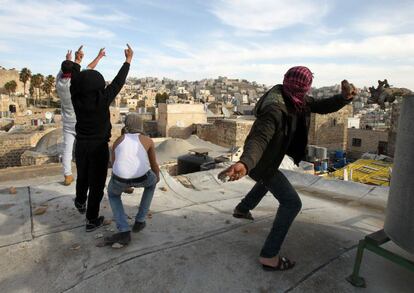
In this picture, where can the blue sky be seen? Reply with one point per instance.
(362, 41)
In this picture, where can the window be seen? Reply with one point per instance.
(356, 142)
(382, 147)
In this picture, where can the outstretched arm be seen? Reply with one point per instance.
(98, 58)
(334, 103)
(118, 82)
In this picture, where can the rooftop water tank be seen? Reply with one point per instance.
(192, 162)
(399, 220)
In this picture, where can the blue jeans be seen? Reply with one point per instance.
(116, 188)
(290, 205)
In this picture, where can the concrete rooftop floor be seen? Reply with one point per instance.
(191, 243)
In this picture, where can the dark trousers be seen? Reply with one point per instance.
(290, 205)
(92, 166)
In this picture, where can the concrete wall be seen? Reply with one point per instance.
(179, 115)
(369, 141)
(330, 130)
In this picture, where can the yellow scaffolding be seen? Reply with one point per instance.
(371, 172)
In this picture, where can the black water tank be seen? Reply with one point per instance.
(192, 162)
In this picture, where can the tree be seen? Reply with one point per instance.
(161, 98)
(47, 86)
(37, 81)
(25, 75)
(10, 86)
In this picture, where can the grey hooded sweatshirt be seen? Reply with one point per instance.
(63, 92)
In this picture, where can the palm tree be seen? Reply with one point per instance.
(25, 75)
(48, 86)
(37, 81)
(10, 87)
(31, 92)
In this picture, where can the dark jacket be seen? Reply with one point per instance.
(280, 130)
(91, 101)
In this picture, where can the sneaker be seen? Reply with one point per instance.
(92, 225)
(138, 226)
(80, 207)
(122, 238)
(68, 180)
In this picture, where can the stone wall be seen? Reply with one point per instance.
(12, 146)
(226, 132)
(330, 130)
(179, 115)
(151, 128)
(369, 139)
(7, 75)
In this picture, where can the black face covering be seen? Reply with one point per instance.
(66, 66)
(90, 81)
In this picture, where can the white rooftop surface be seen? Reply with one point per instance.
(191, 242)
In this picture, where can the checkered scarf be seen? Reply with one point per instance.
(296, 84)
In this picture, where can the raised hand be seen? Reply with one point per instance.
(101, 53)
(79, 55)
(128, 54)
(348, 90)
(69, 55)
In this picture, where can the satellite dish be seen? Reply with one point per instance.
(29, 112)
(48, 115)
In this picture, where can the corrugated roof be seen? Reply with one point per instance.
(366, 171)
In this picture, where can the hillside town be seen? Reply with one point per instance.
(218, 110)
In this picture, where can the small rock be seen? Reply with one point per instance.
(110, 229)
(163, 188)
(185, 217)
(100, 244)
(107, 222)
(149, 216)
(37, 192)
(12, 190)
(246, 231)
(99, 235)
(228, 222)
(75, 246)
(117, 245)
(40, 210)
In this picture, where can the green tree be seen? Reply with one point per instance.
(161, 98)
(48, 86)
(25, 75)
(37, 81)
(10, 87)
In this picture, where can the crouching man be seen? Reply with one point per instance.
(133, 165)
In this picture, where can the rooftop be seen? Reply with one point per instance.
(191, 243)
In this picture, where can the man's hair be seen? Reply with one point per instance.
(66, 66)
